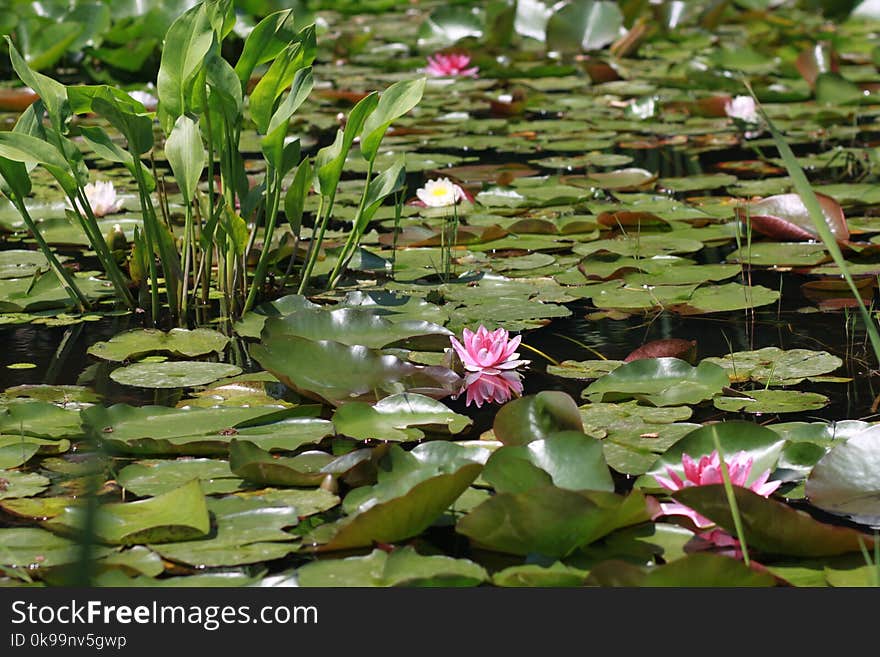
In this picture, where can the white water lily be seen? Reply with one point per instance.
(742, 108)
(440, 193)
(102, 197)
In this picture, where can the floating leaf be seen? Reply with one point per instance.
(785, 217)
(155, 477)
(534, 417)
(402, 567)
(173, 374)
(770, 526)
(660, 381)
(338, 372)
(846, 480)
(550, 521)
(775, 366)
(134, 344)
(571, 460)
(248, 530)
(398, 418)
(35, 548)
(179, 514)
(772, 401)
(254, 464)
(408, 497)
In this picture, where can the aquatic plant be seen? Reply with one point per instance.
(708, 471)
(451, 65)
(440, 193)
(101, 196)
(488, 352)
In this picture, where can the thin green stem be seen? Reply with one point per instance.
(64, 277)
(731, 500)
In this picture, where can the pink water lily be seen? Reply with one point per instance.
(492, 388)
(708, 471)
(451, 65)
(101, 196)
(486, 352)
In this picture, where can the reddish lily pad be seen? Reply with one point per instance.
(785, 217)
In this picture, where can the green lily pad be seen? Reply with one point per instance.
(555, 575)
(35, 508)
(402, 567)
(137, 560)
(772, 401)
(134, 344)
(21, 263)
(846, 482)
(357, 326)
(65, 396)
(337, 372)
(35, 548)
(550, 521)
(773, 527)
(23, 417)
(254, 464)
(246, 530)
(660, 381)
(157, 476)
(15, 484)
(584, 369)
(201, 431)
(14, 455)
(781, 254)
(419, 486)
(398, 418)
(176, 374)
(568, 459)
(534, 417)
(775, 366)
(179, 514)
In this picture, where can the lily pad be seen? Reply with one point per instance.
(337, 372)
(660, 381)
(846, 480)
(173, 374)
(772, 401)
(402, 567)
(398, 418)
(250, 462)
(409, 496)
(773, 527)
(134, 344)
(571, 460)
(158, 476)
(550, 521)
(246, 530)
(179, 514)
(35, 548)
(201, 431)
(534, 417)
(775, 366)
(14, 484)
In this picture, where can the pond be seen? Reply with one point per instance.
(442, 294)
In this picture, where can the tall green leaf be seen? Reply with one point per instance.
(268, 38)
(186, 155)
(396, 101)
(187, 43)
